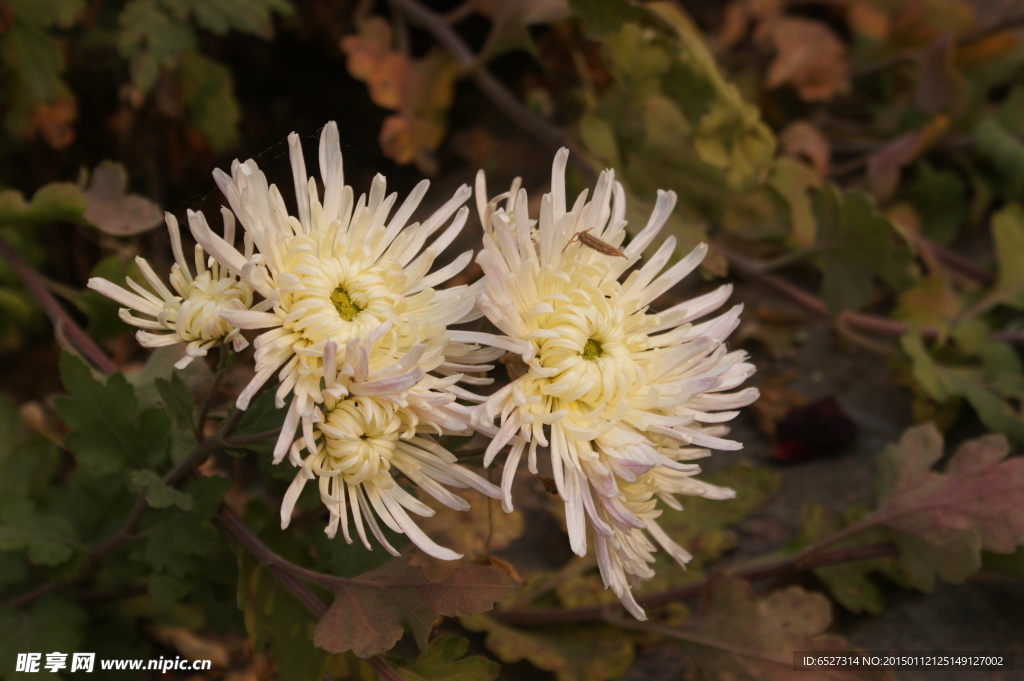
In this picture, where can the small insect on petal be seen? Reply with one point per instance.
(591, 241)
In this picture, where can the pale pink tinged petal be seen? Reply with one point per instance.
(442, 275)
(413, 531)
(154, 281)
(575, 520)
(505, 434)
(152, 340)
(248, 319)
(184, 362)
(179, 255)
(674, 274)
(120, 295)
(631, 606)
(382, 510)
(508, 472)
(287, 434)
(521, 348)
(371, 520)
(401, 217)
(358, 506)
(127, 317)
(480, 193)
(720, 327)
(330, 364)
(299, 179)
(558, 182)
(220, 250)
(292, 496)
(662, 210)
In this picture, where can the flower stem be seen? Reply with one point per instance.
(63, 324)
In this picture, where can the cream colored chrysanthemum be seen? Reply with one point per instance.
(336, 271)
(621, 397)
(378, 417)
(191, 313)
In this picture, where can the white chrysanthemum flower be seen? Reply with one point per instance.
(191, 313)
(377, 419)
(337, 271)
(619, 396)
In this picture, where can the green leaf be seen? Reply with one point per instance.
(108, 430)
(32, 54)
(50, 540)
(209, 94)
(445, 660)
(993, 383)
(181, 543)
(573, 653)
(1006, 154)
(1008, 234)
(151, 40)
(51, 624)
(54, 202)
(940, 198)
(368, 611)
(602, 17)
(254, 17)
(158, 493)
(847, 582)
(167, 589)
(941, 521)
(60, 13)
(857, 245)
(273, 616)
(178, 400)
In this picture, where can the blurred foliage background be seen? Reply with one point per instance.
(856, 164)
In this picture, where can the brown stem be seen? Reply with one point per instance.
(760, 570)
(288, 574)
(62, 322)
(855, 320)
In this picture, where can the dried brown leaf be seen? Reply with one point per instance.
(740, 636)
(802, 138)
(369, 611)
(110, 209)
(809, 56)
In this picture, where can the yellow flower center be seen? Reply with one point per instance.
(347, 310)
(591, 350)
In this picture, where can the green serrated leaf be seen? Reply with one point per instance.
(847, 582)
(108, 430)
(158, 493)
(857, 245)
(274, 617)
(445, 660)
(151, 40)
(254, 17)
(167, 589)
(50, 540)
(993, 383)
(178, 400)
(51, 624)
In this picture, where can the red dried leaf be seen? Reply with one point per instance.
(738, 635)
(369, 611)
(941, 521)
